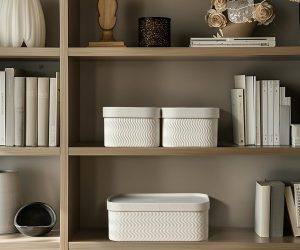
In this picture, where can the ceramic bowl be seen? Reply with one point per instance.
(35, 219)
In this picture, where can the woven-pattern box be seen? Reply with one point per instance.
(131, 127)
(158, 217)
(190, 127)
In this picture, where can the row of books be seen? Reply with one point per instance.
(29, 110)
(261, 112)
(233, 42)
(270, 200)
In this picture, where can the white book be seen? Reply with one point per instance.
(43, 111)
(262, 209)
(2, 108)
(284, 128)
(31, 111)
(258, 113)
(264, 112)
(54, 111)
(19, 111)
(10, 74)
(276, 138)
(238, 117)
(291, 208)
(270, 113)
(250, 110)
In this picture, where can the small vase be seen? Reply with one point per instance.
(239, 29)
(22, 21)
(10, 200)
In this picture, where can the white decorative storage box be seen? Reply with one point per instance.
(131, 127)
(190, 127)
(158, 217)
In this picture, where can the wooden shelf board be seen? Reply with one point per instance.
(97, 149)
(219, 239)
(20, 242)
(29, 53)
(184, 53)
(29, 151)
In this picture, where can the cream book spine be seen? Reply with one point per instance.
(54, 113)
(43, 111)
(264, 112)
(276, 113)
(238, 117)
(262, 209)
(19, 111)
(258, 113)
(250, 111)
(2, 108)
(31, 111)
(270, 113)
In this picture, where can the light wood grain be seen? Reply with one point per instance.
(103, 151)
(29, 151)
(20, 242)
(219, 239)
(30, 53)
(184, 53)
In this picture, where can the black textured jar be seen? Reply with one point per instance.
(154, 32)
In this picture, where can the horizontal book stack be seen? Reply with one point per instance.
(261, 112)
(29, 110)
(270, 200)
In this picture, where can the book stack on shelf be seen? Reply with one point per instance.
(261, 112)
(233, 42)
(269, 208)
(29, 110)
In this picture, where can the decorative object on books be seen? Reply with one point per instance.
(190, 127)
(35, 219)
(107, 21)
(233, 17)
(131, 127)
(10, 200)
(22, 22)
(158, 217)
(154, 32)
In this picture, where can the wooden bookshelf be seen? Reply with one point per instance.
(29, 151)
(185, 53)
(29, 53)
(21, 242)
(219, 239)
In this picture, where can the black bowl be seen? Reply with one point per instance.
(35, 219)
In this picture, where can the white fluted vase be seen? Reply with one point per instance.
(22, 21)
(10, 200)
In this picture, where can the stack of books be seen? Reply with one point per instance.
(261, 112)
(269, 208)
(29, 110)
(233, 42)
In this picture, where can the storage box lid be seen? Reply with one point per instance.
(131, 112)
(158, 202)
(196, 113)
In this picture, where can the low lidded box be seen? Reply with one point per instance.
(131, 127)
(158, 217)
(190, 127)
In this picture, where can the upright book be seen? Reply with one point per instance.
(2, 108)
(238, 117)
(284, 118)
(270, 113)
(264, 113)
(258, 113)
(31, 111)
(43, 111)
(54, 113)
(10, 74)
(276, 108)
(19, 111)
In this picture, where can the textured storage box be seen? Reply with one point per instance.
(131, 127)
(158, 217)
(190, 127)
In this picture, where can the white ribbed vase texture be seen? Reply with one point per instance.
(131, 132)
(22, 21)
(190, 133)
(10, 200)
(158, 226)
